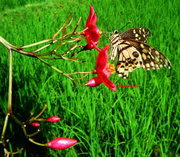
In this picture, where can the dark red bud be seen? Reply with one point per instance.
(34, 124)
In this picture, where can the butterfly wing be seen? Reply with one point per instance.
(139, 34)
(134, 54)
(152, 58)
(129, 58)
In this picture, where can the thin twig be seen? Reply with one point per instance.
(7, 153)
(75, 73)
(70, 49)
(56, 69)
(42, 111)
(37, 143)
(33, 134)
(35, 44)
(45, 46)
(4, 129)
(56, 34)
(77, 25)
(65, 27)
(72, 59)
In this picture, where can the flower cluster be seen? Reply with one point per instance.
(51, 119)
(103, 71)
(103, 68)
(92, 32)
(57, 143)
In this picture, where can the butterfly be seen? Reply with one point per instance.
(133, 52)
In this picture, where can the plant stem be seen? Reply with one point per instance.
(54, 68)
(37, 43)
(6, 43)
(42, 111)
(23, 126)
(12, 153)
(10, 83)
(4, 129)
(9, 98)
(16, 120)
(37, 143)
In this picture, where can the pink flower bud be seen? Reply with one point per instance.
(94, 82)
(34, 124)
(53, 119)
(61, 143)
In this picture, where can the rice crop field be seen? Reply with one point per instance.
(131, 122)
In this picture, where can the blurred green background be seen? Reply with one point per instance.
(131, 122)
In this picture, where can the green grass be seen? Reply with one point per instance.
(130, 122)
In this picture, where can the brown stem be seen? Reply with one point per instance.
(10, 83)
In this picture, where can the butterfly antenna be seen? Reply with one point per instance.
(125, 25)
(107, 34)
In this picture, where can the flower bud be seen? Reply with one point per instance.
(34, 124)
(61, 143)
(94, 82)
(53, 119)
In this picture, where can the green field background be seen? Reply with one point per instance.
(132, 122)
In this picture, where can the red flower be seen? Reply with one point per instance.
(61, 143)
(34, 124)
(92, 32)
(102, 70)
(53, 119)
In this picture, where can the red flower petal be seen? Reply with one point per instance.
(102, 58)
(92, 36)
(92, 32)
(102, 70)
(107, 82)
(94, 82)
(92, 18)
(61, 143)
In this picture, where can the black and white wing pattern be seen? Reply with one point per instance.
(139, 34)
(135, 53)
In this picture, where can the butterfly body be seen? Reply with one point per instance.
(133, 52)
